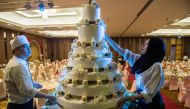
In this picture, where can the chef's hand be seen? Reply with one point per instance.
(37, 85)
(121, 102)
(52, 98)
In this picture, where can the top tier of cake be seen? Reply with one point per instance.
(91, 28)
(91, 12)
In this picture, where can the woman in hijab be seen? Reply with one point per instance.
(148, 73)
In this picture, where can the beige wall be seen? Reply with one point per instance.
(58, 48)
(2, 50)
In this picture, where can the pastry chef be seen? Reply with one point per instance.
(18, 82)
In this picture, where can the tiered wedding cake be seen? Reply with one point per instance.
(93, 81)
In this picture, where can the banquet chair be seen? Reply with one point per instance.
(166, 83)
(166, 79)
(173, 82)
(187, 101)
(182, 93)
(186, 81)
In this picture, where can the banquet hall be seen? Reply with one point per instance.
(52, 28)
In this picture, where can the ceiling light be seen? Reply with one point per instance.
(9, 24)
(61, 33)
(41, 6)
(50, 4)
(171, 32)
(28, 5)
(13, 35)
(183, 22)
(179, 37)
(176, 20)
(4, 35)
(59, 27)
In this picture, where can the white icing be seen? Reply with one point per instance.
(91, 90)
(76, 104)
(101, 49)
(90, 49)
(93, 76)
(91, 33)
(86, 63)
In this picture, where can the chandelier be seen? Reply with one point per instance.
(40, 4)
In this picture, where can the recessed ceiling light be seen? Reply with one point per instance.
(4, 35)
(41, 27)
(56, 6)
(63, 33)
(176, 20)
(179, 37)
(9, 24)
(183, 22)
(171, 32)
(19, 9)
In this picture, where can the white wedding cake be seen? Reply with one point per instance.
(92, 80)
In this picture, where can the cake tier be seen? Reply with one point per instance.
(92, 76)
(89, 56)
(87, 63)
(91, 12)
(91, 50)
(77, 104)
(89, 47)
(91, 33)
(90, 90)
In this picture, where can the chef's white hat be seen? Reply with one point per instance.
(18, 41)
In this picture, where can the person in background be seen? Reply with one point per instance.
(148, 73)
(185, 58)
(121, 60)
(18, 82)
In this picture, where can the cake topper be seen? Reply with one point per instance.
(91, 1)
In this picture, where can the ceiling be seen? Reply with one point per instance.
(124, 18)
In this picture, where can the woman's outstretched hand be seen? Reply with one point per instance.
(121, 103)
(106, 36)
(114, 45)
